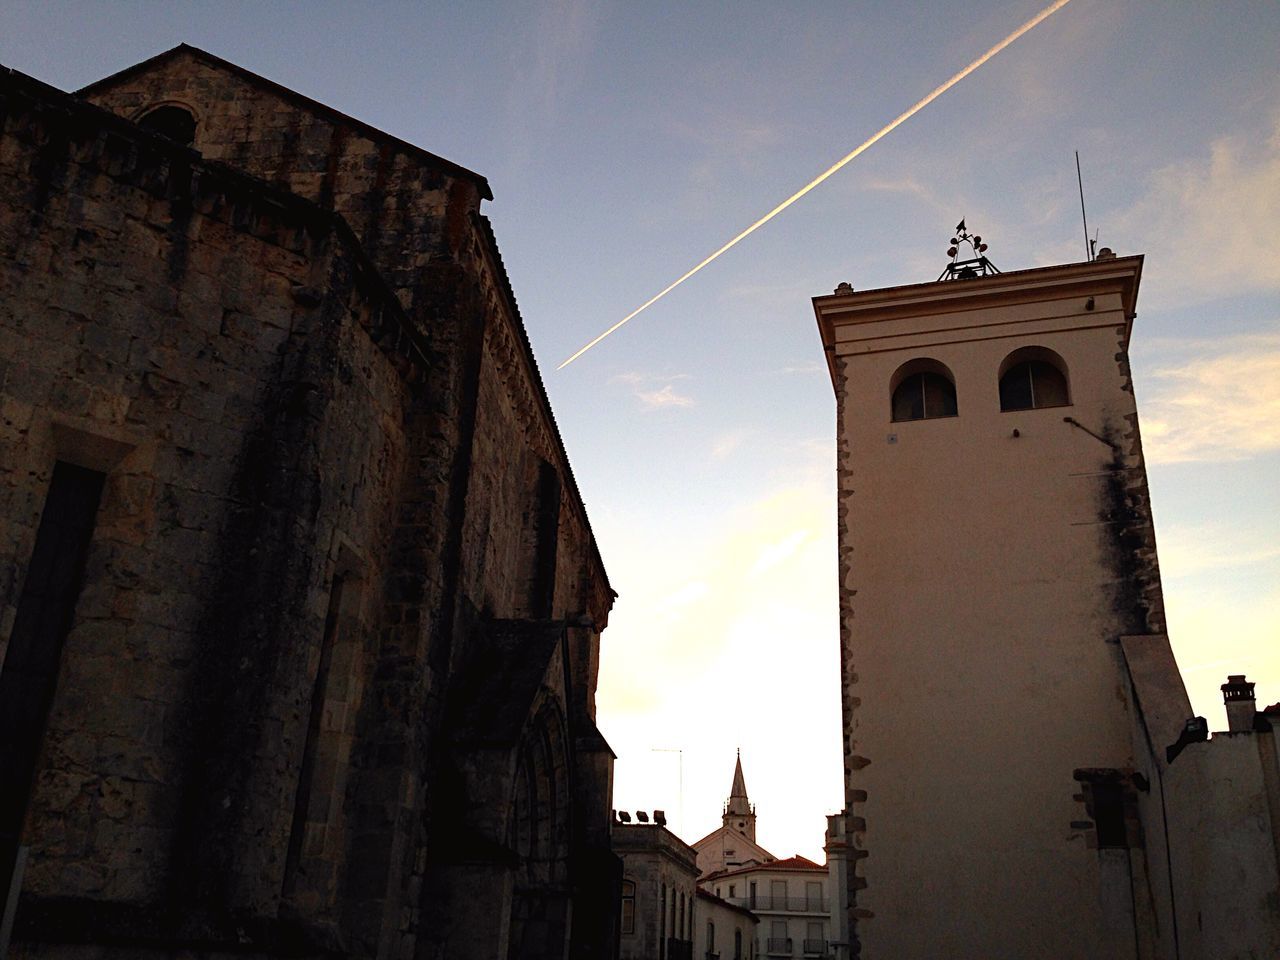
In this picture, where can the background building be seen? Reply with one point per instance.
(789, 898)
(733, 843)
(659, 885)
(299, 605)
(724, 931)
(1010, 697)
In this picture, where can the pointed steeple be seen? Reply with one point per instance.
(739, 815)
(739, 788)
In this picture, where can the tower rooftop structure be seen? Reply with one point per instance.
(733, 843)
(737, 804)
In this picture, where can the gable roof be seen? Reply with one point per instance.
(796, 864)
(314, 106)
(737, 837)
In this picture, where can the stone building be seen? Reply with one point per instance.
(299, 604)
(1023, 773)
(658, 891)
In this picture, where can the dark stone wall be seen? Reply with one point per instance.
(295, 353)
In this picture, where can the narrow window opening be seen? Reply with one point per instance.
(322, 774)
(172, 122)
(778, 894)
(662, 925)
(814, 941)
(1107, 803)
(543, 585)
(779, 942)
(45, 614)
(628, 907)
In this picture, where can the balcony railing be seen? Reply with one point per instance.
(815, 948)
(679, 949)
(778, 946)
(783, 904)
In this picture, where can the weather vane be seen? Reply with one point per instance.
(976, 266)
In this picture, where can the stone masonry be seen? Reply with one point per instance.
(332, 493)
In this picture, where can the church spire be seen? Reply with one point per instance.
(739, 814)
(739, 788)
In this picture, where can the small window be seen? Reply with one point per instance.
(628, 907)
(1031, 378)
(922, 389)
(711, 936)
(1107, 802)
(173, 122)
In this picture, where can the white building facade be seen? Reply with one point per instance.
(1023, 774)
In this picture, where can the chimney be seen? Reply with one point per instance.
(1237, 693)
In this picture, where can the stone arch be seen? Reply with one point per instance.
(170, 118)
(539, 834)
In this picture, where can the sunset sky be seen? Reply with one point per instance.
(626, 141)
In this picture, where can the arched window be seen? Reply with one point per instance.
(1031, 378)
(923, 389)
(628, 907)
(711, 937)
(174, 122)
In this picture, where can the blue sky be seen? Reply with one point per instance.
(624, 142)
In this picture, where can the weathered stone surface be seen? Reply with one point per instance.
(294, 353)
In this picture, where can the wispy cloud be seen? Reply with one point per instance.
(727, 443)
(635, 378)
(663, 399)
(809, 367)
(1222, 404)
(645, 388)
(773, 554)
(1212, 546)
(1209, 222)
(560, 38)
(744, 607)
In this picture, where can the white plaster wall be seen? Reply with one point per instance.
(980, 631)
(726, 921)
(1223, 844)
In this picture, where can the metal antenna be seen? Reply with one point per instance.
(680, 795)
(1088, 247)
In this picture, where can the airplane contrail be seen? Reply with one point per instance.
(887, 128)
